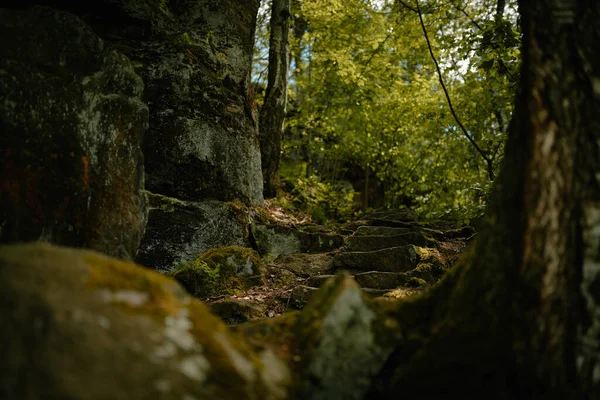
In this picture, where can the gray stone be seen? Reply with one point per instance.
(195, 58)
(318, 280)
(300, 296)
(397, 215)
(78, 325)
(381, 231)
(305, 264)
(274, 240)
(236, 311)
(381, 280)
(72, 120)
(392, 223)
(182, 230)
(395, 259)
(371, 243)
(345, 342)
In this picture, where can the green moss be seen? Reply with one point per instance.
(221, 57)
(416, 282)
(199, 279)
(185, 41)
(220, 271)
(242, 214)
(431, 266)
(165, 203)
(120, 276)
(227, 257)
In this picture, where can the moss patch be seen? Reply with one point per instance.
(160, 295)
(430, 268)
(165, 203)
(220, 271)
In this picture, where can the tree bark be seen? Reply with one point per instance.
(519, 315)
(272, 114)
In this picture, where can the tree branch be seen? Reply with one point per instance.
(441, 79)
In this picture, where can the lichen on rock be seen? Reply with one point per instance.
(72, 121)
(77, 324)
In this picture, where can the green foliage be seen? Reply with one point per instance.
(322, 200)
(365, 99)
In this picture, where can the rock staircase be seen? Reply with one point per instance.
(388, 253)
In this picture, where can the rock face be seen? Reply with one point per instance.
(201, 146)
(182, 230)
(195, 59)
(78, 325)
(71, 169)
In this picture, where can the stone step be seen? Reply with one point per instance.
(398, 215)
(392, 223)
(372, 243)
(302, 293)
(382, 280)
(304, 264)
(367, 230)
(374, 292)
(369, 280)
(464, 232)
(274, 240)
(318, 280)
(395, 259)
(237, 311)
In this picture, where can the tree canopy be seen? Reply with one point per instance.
(367, 104)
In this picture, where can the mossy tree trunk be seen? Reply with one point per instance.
(519, 316)
(272, 114)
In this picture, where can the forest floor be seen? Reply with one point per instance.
(375, 248)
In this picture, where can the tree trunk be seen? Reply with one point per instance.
(519, 315)
(272, 114)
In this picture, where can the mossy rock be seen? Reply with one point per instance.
(236, 311)
(177, 230)
(79, 325)
(430, 269)
(340, 342)
(220, 271)
(300, 296)
(335, 344)
(71, 121)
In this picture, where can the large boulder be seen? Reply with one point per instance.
(180, 231)
(71, 168)
(195, 58)
(336, 344)
(79, 325)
